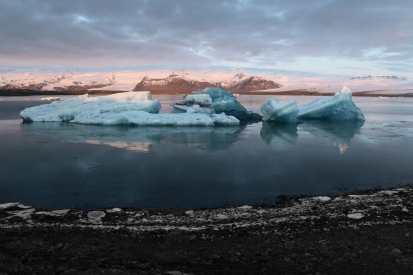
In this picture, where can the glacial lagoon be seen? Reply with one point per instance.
(59, 165)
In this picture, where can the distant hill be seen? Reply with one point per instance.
(174, 82)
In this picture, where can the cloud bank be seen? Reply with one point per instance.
(262, 34)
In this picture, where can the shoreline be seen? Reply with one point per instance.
(355, 233)
(303, 92)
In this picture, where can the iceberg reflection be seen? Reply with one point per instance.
(139, 138)
(340, 133)
(278, 134)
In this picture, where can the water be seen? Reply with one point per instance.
(63, 165)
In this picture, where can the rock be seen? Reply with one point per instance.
(245, 207)
(355, 216)
(16, 219)
(174, 273)
(61, 269)
(61, 212)
(396, 251)
(70, 271)
(96, 215)
(322, 198)
(21, 206)
(8, 205)
(114, 210)
(189, 212)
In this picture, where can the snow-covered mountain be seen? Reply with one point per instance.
(185, 82)
(49, 81)
(379, 77)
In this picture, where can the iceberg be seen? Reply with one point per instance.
(79, 108)
(199, 104)
(130, 108)
(338, 108)
(280, 112)
(224, 102)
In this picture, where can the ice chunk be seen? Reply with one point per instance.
(224, 102)
(199, 103)
(78, 108)
(222, 119)
(339, 108)
(282, 112)
(203, 100)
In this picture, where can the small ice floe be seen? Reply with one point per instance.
(189, 212)
(322, 198)
(61, 211)
(8, 205)
(245, 207)
(96, 216)
(50, 99)
(114, 210)
(355, 216)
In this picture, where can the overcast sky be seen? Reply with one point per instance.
(344, 37)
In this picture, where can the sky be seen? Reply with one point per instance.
(336, 37)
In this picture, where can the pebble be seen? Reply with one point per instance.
(396, 250)
(61, 269)
(174, 273)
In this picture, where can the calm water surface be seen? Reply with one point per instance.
(67, 165)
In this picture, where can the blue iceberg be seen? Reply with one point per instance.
(224, 102)
(280, 112)
(338, 108)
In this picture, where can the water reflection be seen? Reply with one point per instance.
(278, 134)
(340, 133)
(281, 134)
(139, 138)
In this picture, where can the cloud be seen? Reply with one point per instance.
(191, 33)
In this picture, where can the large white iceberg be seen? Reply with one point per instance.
(338, 108)
(76, 108)
(272, 110)
(130, 108)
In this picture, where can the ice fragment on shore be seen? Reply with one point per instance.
(272, 110)
(189, 212)
(355, 216)
(245, 207)
(338, 108)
